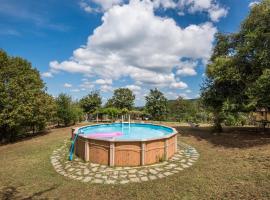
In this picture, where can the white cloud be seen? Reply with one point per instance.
(164, 3)
(212, 7)
(70, 66)
(133, 42)
(253, 3)
(106, 88)
(188, 91)
(187, 68)
(67, 85)
(179, 85)
(47, 75)
(103, 81)
(134, 87)
(186, 72)
(100, 5)
(216, 13)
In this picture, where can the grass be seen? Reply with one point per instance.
(234, 165)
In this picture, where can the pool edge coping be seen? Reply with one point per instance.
(175, 132)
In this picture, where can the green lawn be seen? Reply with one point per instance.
(235, 165)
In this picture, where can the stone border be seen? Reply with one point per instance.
(77, 169)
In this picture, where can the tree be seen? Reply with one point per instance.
(156, 104)
(237, 71)
(67, 111)
(185, 110)
(43, 112)
(91, 103)
(24, 104)
(77, 113)
(122, 98)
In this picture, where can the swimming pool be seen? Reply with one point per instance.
(124, 144)
(133, 131)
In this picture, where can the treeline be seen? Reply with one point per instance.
(26, 108)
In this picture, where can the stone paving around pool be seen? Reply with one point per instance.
(82, 171)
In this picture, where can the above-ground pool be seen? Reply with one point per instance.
(124, 144)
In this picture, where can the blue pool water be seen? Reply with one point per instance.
(134, 131)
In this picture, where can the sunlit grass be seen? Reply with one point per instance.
(234, 165)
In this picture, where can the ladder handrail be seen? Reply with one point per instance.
(73, 145)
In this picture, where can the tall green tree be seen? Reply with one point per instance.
(68, 112)
(24, 104)
(122, 98)
(156, 104)
(239, 67)
(91, 103)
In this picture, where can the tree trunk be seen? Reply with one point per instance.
(217, 128)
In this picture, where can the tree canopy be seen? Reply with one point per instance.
(24, 104)
(91, 102)
(67, 111)
(122, 98)
(156, 104)
(238, 70)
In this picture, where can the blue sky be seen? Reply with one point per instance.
(84, 45)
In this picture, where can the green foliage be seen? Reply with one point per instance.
(187, 111)
(77, 113)
(236, 119)
(68, 112)
(111, 111)
(259, 91)
(122, 98)
(156, 104)
(238, 74)
(24, 105)
(91, 102)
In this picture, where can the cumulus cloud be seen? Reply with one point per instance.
(133, 42)
(67, 85)
(212, 7)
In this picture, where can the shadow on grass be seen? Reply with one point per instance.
(232, 137)
(11, 192)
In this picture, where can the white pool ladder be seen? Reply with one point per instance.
(125, 123)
